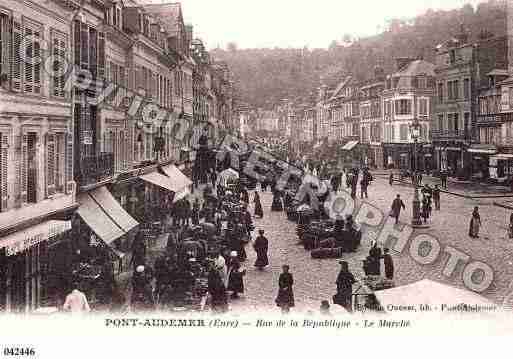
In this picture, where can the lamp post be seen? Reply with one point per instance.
(415, 134)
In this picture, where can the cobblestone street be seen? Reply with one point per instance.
(315, 279)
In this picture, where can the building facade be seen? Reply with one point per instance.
(407, 98)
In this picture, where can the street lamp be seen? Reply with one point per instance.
(415, 134)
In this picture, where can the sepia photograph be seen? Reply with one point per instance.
(203, 174)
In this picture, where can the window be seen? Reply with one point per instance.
(466, 89)
(466, 124)
(456, 89)
(32, 67)
(89, 49)
(59, 51)
(355, 109)
(456, 122)
(118, 20)
(403, 107)
(440, 93)
(55, 163)
(423, 107)
(441, 122)
(421, 82)
(403, 132)
(28, 168)
(4, 162)
(392, 133)
(4, 44)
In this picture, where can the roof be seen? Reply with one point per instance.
(340, 86)
(416, 68)
(169, 14)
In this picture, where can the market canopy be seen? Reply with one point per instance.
(104, 215)
(181, 181)
(108, 203)
(97, 219)
(428, 292)
(350, 145)
(483, 148)
(24, 239)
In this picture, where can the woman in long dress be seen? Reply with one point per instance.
(261, 247)
(285, 299)
(235, 277)
(217, 291)
(258, 206)
(475, 223)
(277, 205)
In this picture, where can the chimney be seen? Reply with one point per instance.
(379, 73)
(509, 15)
(463, 35)
(401, 62)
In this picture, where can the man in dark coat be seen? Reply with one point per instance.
(261, 247)
(436, 197)
(345, 281)
(397, 205)
(389, 264)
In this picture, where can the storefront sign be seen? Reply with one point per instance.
(34, 239)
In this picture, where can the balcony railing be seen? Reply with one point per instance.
(450, 135)
(95, 169)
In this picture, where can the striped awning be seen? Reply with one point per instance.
(350, 145)
(104, 215)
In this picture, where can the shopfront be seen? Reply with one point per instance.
(28, 266)
(104, 231)
(501, 167)
(481, 161)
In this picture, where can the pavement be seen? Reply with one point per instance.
(314, 279)
(470, 189)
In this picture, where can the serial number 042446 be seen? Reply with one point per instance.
(19, 351)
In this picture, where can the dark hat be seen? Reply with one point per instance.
(261, 231)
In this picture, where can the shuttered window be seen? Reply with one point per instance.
(50, 164)
(4, 162)
(101, 55)
(4, 43)
(32, 74)
(59, 51)
(93, 52)
(16, 64)
(68, 147)
(55, 163)
(84, 46)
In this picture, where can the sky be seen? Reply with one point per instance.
(297, 23)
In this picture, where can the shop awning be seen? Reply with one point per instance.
(180, 180)
(428, 292)
(108, 203)
(350, 145)
(162, 181)
(96, 218)
(502, 156)
(485, 149)
(22, 240)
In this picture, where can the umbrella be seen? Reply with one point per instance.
(304, 208)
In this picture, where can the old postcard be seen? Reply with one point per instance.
(199, 174)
